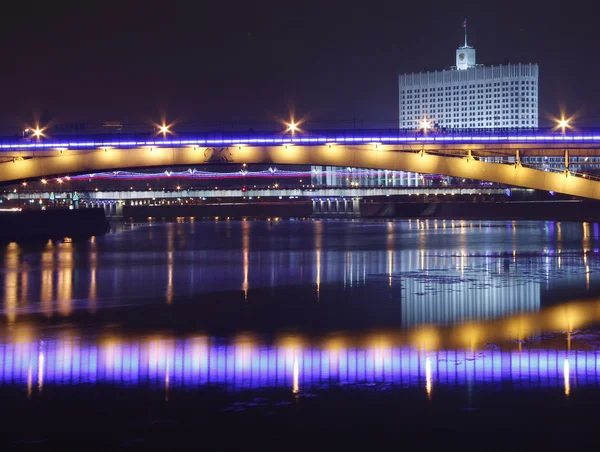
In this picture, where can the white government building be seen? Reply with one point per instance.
(465, 96)
(470, 95)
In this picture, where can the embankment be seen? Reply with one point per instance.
(59, 223)
(515, 210)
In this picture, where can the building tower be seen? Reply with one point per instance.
(470, 95)
(465, 55)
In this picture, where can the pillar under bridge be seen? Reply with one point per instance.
(336, 207)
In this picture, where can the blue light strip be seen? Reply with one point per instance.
(194, 362)
(329, 137)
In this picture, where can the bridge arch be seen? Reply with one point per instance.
(51, 163)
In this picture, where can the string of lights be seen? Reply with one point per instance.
(192, 174)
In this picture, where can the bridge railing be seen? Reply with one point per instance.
(309, 137)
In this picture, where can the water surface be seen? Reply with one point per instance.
(255, 319)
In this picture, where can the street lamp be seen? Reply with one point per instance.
(564, 124)
(292, 127)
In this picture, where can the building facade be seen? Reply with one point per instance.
(465, 96)
(470, 96)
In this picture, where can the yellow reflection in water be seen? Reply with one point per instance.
(390, 248)
(245, 254)
(428, 378)
(586, 229)
(92, 294)
(518, 327)
(64, 288)
(47, 280)
(471, 334)
(11, 281)
(558, 231)
(24, 287)
(169, 292)
(29, 382)
(587, 276)
(567, 377)
(426, 338)
(296, 376)
(568, 317)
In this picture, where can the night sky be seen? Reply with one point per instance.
(246, 65)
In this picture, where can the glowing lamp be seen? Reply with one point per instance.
(292, 127)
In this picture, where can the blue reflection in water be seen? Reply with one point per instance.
(198, 362)
(432, 272)
(438, 271)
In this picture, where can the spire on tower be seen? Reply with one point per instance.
(465, 55)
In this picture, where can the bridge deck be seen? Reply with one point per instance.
(455, 155)
(264, 193)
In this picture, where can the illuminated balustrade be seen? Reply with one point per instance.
(307, 138)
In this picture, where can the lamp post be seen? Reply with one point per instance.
(564, 124)
(164, 130)
(292, 127)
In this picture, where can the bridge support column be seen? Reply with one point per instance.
(356, 206)
(119, 209)
(566, 160)
(339, 207)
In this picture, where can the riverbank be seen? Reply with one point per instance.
(576, 210)
(50, 224)
(563, 210)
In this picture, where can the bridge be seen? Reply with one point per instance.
(492, 156)
(325, 200)
(289, 193)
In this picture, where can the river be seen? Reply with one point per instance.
(289, 333)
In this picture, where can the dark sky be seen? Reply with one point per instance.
(249, 63)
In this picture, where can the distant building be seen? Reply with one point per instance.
(470, 96)
(68, 128)
(465, 96)
(112, 126)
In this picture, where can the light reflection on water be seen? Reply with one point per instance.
(437, 271)
(455, 287)
(424, 358)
